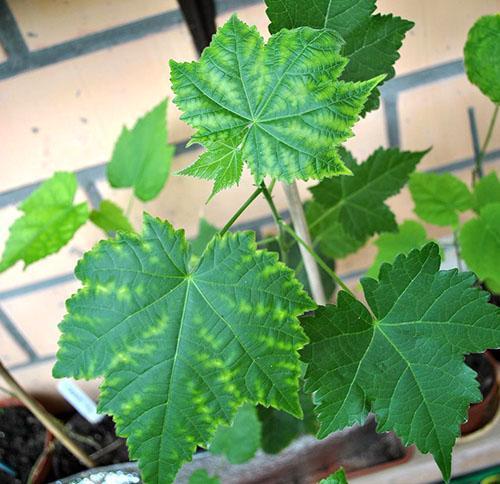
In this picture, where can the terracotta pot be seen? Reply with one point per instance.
(43, 464)
(480, 414)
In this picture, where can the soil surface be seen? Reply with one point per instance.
(22, 439)
(99, 441)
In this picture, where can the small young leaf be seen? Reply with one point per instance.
(142, 156)
(480, 245)
(280, 104)
(439, 198)
(486, 190)
(338, 477)
(206, 232)
(201, 477)
(371, 41)
(110, 218)
(406, 365)
(410, 235)
(49, 222)
(356, 203)
(240, 440)
(481, 54)
(181, 347)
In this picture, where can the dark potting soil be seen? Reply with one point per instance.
(99, 441)
(484, 369)
(22, 440)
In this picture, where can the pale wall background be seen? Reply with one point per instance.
(80, 69)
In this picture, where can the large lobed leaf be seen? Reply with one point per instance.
(49, 221)
(481, 54)
(405, 364)
(371, 41)
(142, 156)
(279, 106)
(181, 347)
(346, 210)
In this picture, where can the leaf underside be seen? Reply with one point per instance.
(407, 365)
(49, 221)
(142, 156)
(181, 347)
(345, 211)
(279, 106)
(371, 42)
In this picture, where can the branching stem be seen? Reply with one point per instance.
(478, 170)
(238, 213)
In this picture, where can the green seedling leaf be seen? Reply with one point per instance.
(279, 104)
(481, 54)
(182, 346)
(405, 363)
(49, 221)
(480, 245)
(371, 41)
(346, 211)
(201, 476)
(110, 218)
(439, 198)
(240, 440)
(410, 235)
(338, 477)
(486, 190)
(142, 156)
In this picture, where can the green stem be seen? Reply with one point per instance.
(277, 218)
(267, 240)
(319, 260)
(130, 204)
(478, 171)
(245, 205)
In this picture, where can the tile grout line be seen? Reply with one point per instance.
(16, 335)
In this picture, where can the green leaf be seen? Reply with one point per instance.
(486, 190)
(110, 218)
(280, 104)
(439, 198)
(49, 221)
(222, 163)
(206, 232)
(338, 477)
(142, 156)
(239, 441)
(480, 245)
(347, 210)
(481, 54)
(181, 347)
(410, 235)
(407, 364)
(371, 41)
(201, 477)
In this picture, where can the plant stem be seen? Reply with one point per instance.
(49, 421)
(319, 260)
(457, 250)
(267, 240)
(235, 217)
(302, 231)
(478, 170)
(130, 204)
(277, 219)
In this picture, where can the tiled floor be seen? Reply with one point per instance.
(97, 65)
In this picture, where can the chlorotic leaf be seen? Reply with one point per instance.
(182, 346)
(480, 245)
(410, 235)
(222, 163)
(346, 210)
(201, 477)
(49, 221)
(206, 232)
(338, 477)
(486, 190)
(281, 103)
(481, 54)
(142, 156)
(439, 198)
(240, 440)
(371, 41)
(407, 364)
(110, 218)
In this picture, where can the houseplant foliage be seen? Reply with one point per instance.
(187, 334)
